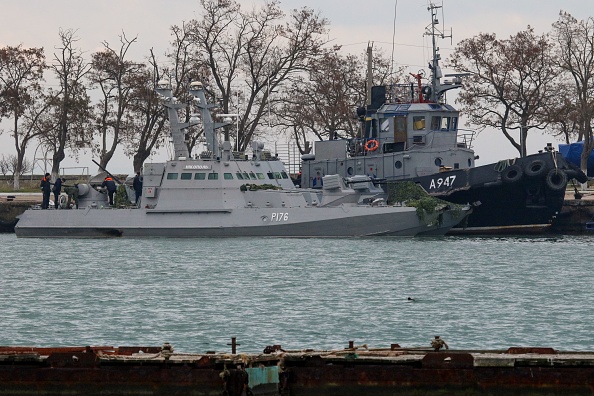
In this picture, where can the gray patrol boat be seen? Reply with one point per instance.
(223, 194)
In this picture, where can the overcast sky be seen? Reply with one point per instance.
(35, 23)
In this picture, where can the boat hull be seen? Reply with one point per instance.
(522, 195)
(505, 202)
(342, 221)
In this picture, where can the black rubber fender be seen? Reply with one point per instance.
(580, 176)
(535, 168)
(556, 179)
(512, 174)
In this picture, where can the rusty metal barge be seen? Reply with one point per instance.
(354, 370)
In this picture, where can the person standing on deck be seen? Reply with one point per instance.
(46, 188)
(57, 191)
(137, 184)
(111, 188)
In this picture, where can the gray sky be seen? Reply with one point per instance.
(35, 23)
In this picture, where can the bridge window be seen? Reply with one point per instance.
(445, 123)
(418, 123)
(200, 176)
(270, 175)
(385, 125)
(454, 125)
(186, 176)
(284, 175)
(260, 176)
(172, 176)
(213, 176)
(239, 175)
(228, 176)
(435, 123)
(252, 176)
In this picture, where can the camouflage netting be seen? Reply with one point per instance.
(121, 197)
(411, 194)
(255, 187)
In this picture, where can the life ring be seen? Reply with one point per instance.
(535, 168)
(556, 179)
(62, 201)
(371, 145)
(512, 174)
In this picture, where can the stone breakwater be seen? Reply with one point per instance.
(12, 205)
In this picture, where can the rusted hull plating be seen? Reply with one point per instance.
(153, 371)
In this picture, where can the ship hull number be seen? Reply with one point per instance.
(279, 216)
(447, 181)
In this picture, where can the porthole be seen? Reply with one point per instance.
(398, 164)
(350, 171)
(437, 161)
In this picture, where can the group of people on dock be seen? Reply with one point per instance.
(72, 191)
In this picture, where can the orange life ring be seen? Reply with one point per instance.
(371, 145)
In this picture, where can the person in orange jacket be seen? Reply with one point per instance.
(111, 188)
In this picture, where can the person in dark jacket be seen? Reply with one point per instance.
(111, 188)
(46, 188)
(137, 184)
(57, 191)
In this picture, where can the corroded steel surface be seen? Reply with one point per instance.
(354, 371)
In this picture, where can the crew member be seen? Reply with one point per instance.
(437, 343)
(72, 192)
(137, 184)
(46, 188)
(57, 190)
(111, 188)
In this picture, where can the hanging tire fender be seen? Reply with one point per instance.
(535, 168)
(512, 174)
(556, 179)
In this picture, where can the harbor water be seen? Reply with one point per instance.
(476, 293)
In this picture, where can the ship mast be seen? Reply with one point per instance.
(178, 134)
(437, 88)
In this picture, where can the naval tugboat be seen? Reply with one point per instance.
(410, 133)
(224, 194)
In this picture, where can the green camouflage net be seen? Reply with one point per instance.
(120, 199)
(411, 194)
(256, 187)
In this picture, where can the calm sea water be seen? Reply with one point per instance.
(300, 293)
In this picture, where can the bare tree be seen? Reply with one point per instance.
(115, 77)
(68, 124)
(256, 50)
(322, 102)
(510, 86)
(21, 72)
(575, 58)
(147, 117)
(4, 166)
(15, 168)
